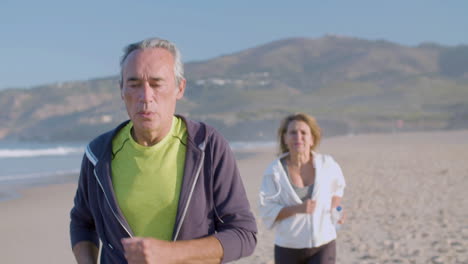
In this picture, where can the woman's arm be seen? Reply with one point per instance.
(336, 201)
(307, 207)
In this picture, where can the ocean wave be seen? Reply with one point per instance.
(27, 153)
(36, 176)
(248, 145)
(64, 151)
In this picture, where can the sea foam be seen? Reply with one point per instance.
(27, 153)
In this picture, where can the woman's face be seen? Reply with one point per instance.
(298, 137)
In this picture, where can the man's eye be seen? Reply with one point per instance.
(133, 85)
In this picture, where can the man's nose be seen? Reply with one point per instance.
(146, 93)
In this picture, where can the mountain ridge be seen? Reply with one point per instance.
(351, 85)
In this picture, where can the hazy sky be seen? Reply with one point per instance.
(47, 41)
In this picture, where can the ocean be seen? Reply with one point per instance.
(24, 163)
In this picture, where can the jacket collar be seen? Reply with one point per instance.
(317, 157)
(318, 164)
(99, 152)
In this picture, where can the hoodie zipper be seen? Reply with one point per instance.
(112, 210)
(202, 148)
(93, 160)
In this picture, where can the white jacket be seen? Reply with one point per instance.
(301, 230)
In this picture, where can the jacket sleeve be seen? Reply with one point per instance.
(338, 182)
(235, 224)
(269, 205)
(82, 226)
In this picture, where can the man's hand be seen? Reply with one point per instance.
(85, 252)
(148, 250)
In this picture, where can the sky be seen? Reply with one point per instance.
(49, 41)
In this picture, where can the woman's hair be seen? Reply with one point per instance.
(156, 43)
(309, 120)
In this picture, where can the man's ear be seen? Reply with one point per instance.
(121, 88)
(181, 89)
(121, 92)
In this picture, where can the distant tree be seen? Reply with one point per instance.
(453, 62)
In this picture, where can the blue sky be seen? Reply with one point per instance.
(51, 41)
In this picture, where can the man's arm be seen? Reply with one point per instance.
(83, 236)
(235, 224)
(85, 252)
(150, 250)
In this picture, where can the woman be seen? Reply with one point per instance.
(298, 192)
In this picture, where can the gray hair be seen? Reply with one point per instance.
(156, 43)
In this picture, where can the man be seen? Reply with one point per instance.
(159, 188)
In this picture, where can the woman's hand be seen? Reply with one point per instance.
(336, 201)
(307, 207)
(343, 217)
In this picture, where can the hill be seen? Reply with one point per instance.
(351, 85)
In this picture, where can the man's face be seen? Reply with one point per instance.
(149, 90)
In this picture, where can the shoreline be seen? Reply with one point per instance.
(9, 187)
(13, 190)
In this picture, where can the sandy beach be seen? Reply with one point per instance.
(404, 197)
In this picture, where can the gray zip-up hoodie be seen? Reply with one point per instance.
(212, 198)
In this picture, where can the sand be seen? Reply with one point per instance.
(404, 198)
(34, 228)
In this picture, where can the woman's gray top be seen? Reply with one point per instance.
(305, 192)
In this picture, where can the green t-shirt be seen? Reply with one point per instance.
(147, 180)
